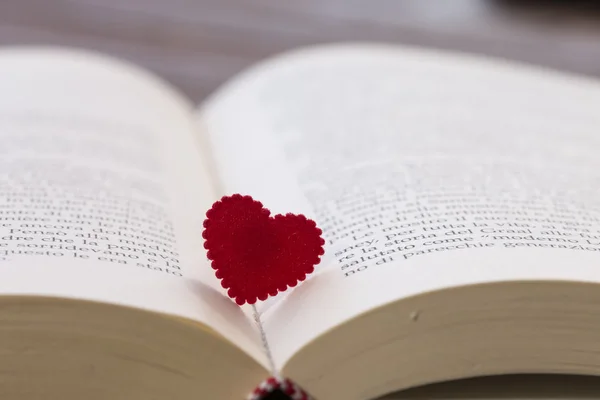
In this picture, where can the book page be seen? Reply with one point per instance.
(424, 170)
(104, 190)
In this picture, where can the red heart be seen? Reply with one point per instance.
(256, 255)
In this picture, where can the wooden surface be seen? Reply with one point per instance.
(198, 44)
(510, 387)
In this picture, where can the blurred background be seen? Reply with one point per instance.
(198, 44)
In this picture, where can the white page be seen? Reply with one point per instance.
(103, 190)
(444, 170)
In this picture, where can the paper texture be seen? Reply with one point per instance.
(424, 170)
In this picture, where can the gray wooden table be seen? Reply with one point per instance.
(508, 388)
(198, 44)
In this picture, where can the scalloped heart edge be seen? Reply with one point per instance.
(231, 292)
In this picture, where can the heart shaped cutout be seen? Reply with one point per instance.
(256, 255)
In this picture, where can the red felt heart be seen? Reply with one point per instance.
(256, 255)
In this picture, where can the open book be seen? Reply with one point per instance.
(458, 196)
